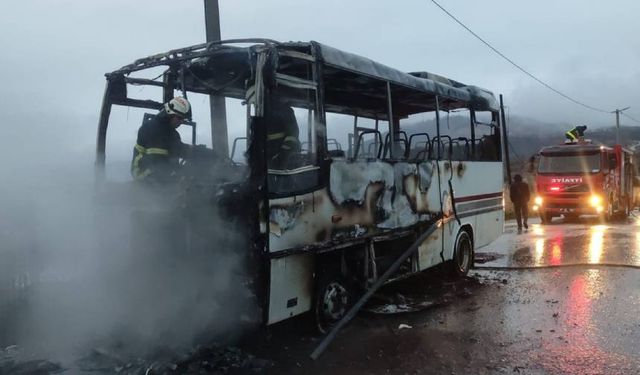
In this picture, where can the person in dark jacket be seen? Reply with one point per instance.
(158, 147)
(282, 135)
(520, 195)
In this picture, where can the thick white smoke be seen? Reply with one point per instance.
(85, 268)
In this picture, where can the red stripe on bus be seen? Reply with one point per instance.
(478, 197)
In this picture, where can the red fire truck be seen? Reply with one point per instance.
(584, 179)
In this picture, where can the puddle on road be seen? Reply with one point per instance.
(481, 258)
(567, 244)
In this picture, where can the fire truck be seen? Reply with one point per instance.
(583, 178)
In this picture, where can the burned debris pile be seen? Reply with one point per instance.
(203, 360)
(13, 362)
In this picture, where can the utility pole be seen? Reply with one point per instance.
(217, 103)
(617, 112)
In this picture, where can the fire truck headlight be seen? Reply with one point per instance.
(595, 200)
(538, 201)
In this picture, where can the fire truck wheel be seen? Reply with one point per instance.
(545, 218)
(462, 254)
(623, 212)
(609, 213)
(332, 301)
(626, 211)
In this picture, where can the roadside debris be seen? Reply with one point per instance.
(204, 360)
(404, 326)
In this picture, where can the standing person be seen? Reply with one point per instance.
(158, 146)
(520, 195)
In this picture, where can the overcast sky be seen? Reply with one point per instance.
(54, 53)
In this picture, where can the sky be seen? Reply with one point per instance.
(55, 53)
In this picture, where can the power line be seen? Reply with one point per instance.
(629, 117)
(516, 65)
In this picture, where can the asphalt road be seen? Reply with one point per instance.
(559, 299)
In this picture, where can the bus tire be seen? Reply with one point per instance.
(462, 254)
(333, 297)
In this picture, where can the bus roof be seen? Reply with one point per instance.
(480, 99)
(203, 62)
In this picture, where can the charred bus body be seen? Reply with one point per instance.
(326, 221)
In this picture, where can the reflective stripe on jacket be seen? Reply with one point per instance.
(137, 171)
(156, 152)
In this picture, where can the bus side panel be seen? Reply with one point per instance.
(478, 193)
(299, 220)
(489, 226)
(429, 252)
(291, 286)
(364, 198)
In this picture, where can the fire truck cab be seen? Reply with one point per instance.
(584, 179)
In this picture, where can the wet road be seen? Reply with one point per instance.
(583, 241)
(541, 319)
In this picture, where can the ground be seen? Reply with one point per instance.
(543, 319)
(558, 299)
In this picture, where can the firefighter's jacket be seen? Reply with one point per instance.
(282, 135)
(575, 133)
(519, 193)
(157, 150)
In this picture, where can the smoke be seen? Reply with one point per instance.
(120, 266)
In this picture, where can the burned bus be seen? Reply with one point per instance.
(379, 168)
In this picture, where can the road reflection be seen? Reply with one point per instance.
(587, 242)
(539, 251)
(596, 242)
(556, 251)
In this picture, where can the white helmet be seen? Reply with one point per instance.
(178, 106)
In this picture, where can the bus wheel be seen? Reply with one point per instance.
(462, 254)
(333, 299)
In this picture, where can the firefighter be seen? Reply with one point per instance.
(158, 147)
(520, 195)
(576, 134)
(282, 135)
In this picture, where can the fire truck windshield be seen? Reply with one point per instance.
(569, 164)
